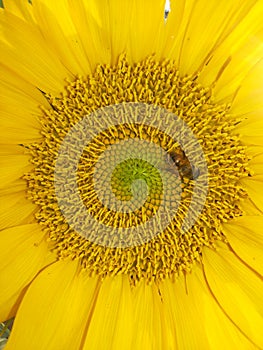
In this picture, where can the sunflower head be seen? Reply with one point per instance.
(131, 139)
(137, 177)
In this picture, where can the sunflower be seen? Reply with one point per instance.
(132, 177)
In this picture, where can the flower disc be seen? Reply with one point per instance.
(121, 176)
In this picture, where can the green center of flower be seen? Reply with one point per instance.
(130, 170)
(136, 174)
(127, 173)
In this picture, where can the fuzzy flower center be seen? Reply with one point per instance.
(158, 148)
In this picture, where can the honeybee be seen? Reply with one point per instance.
(179, 159)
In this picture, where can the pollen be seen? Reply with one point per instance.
(122, 190)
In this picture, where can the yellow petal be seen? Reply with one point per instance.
(54, 308)
(237, 289)
(246, 239)
(19, 8)
(92, 32)
(56, 26)
(18, 86)
(240, 49)
(123, 329)
(208, 33)
(109, 28)
(249, 208)
(22, 254)
(184, 308)
(111, 320)
(17, 186)
(248, 100)
(175, 28)
(19, 109)
(198, 321)
(13, 167)
(251, 132)
(31, 58)
(103, 28)
(118, 25)
(254, 187)
(11, 150)
(254, 150)
(147, 29)
(114, 18)
(16, 210)
(148, 331)
(252, 140)
(203, 27)
(256, 165)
